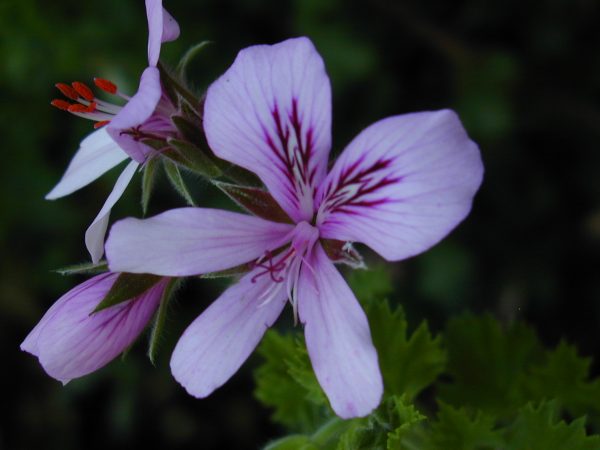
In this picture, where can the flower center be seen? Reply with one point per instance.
(84, 103)
(285, 267)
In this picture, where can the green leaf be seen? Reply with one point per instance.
(84, 268)
(193, 158)
(457, 429)
(487, 363)
(160, 318)
(389, 427)
(540, 428)
(564, 376)
(408, 364)
(371, 285)
(148, 178)
(293, 442)
(174, 176)
(285, 382)
(255, 200)
(126, 287)
(189, 55)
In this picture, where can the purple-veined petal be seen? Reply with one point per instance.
(70, 343)
(218, 342)
(191, 241)
(271, 113)
(94, 235)
(135, 113)
(402, 184)
(162, 27)
(338, 339)
(97, 154)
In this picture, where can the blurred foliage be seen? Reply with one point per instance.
(525, 79)
(497, 389)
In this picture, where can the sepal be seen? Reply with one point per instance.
(256, 201)
(88, 268)
(126, 287)
(341, 252)
(160, 318)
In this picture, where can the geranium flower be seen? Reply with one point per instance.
(400, 186)
(71, 342)
(145, 115)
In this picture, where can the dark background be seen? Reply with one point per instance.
(524, 77)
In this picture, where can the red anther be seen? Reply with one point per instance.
(60, 104)
(78, 108)
(83, 90)
(67, 91)
(101, 124)
(105, 85)
(92, 107)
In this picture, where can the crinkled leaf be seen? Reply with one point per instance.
(160, 318)
(408, 364)
(174, 176)
(256, 201)
(88, 268)
(285, 382)
(294, 442)
(126, 287)
(564, 376)
(148, 178)
(388, 428)
(371, 285)
(540, 428)
(487, 364)
(458, 429)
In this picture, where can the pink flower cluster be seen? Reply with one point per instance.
(399, 187)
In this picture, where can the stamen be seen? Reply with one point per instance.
(106, 85)
(60, 104)
(67, 91)
(79, 108)
(101, 124)
(83, 90)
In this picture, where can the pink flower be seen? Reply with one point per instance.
(400, 186)
(146, 114)
(71, 342)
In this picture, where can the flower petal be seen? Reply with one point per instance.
(218, 342)
(94, 235)
(135, 113)
(162, 27)
(271, 113)
(402, 184)
(338, 339)
(97, 154)
(191, 241)
(70, 343)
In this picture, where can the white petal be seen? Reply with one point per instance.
(94, 235)
(97, 154)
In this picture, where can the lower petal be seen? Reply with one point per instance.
(218, 342)
(70, 343)
(94, 235)
(338, 339)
